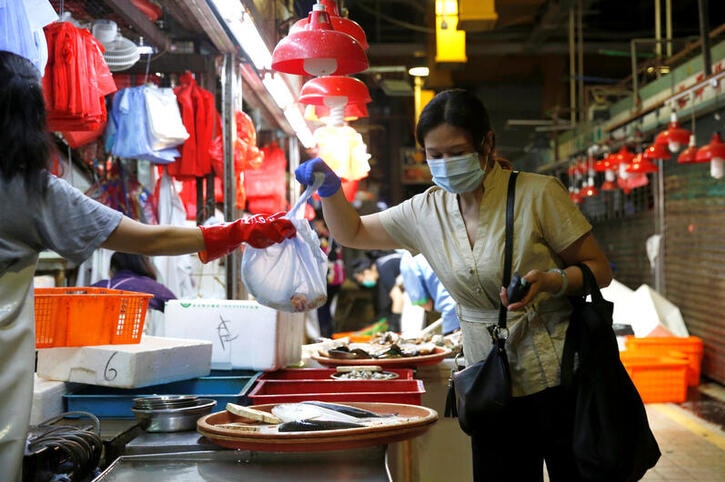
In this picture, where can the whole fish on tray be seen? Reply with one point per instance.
(308, 416)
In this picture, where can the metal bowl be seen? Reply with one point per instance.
(174, 419)
(165, 402)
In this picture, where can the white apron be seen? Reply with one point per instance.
(17, 364)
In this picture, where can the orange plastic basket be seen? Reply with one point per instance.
(658, 379)
(83, 316)
(672, 346)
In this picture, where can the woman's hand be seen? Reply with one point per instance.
(538, 281)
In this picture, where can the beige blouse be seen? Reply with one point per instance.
(546, 222)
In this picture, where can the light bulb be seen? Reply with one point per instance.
(320, 67)
(716, 167)
(674, 146)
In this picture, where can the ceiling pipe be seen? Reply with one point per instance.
(702, 6)
(668, 26)
(572, 71)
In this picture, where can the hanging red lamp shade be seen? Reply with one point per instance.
(339, 23)
(688, 155)
(590, 190)
(609, 185)
(318, 49)
(575, 196)
(605, 164)
(656, 152)
(674, 137)
(334, 90)
(623, 156)
(641, 165)
(715, 153)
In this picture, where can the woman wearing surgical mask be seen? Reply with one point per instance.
(459, 226)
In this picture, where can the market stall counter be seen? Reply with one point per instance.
(364, 465)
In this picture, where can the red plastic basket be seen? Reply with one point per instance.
(84, 316)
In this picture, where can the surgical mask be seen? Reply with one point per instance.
(457, 174)
(368, 283)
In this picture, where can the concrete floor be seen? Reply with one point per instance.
(691, 436)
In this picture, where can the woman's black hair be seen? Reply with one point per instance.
(459, 108)
(25, 143)
(137, 263)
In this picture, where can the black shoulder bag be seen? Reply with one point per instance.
(612, 439)
(481, 391)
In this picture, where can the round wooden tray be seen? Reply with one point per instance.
(417, 421)
(439, 353)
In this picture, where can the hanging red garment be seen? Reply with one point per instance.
(265, 186)
(246, 156)
(76, 79)
(198, 113)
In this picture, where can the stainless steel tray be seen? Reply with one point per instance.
(364, 465)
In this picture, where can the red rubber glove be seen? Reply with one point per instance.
(258, 231)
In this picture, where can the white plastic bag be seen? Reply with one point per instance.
(291, 275)
(165, 127)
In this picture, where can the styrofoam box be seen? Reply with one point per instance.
(48, 399)
(152, 361)
(244, 333)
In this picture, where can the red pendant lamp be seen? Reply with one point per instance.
(688, 155)
(623, 156)
(641, 165)
(318, 49)
(656, 152)
(674, 137)
(608, 166)
(335, 98)
(339, 23)
(714, 152)
(334, 90)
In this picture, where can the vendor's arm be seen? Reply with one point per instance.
(154, 240)
(210, 241)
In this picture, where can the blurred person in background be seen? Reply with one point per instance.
(381, 275)
(136, 272)
(424, 289)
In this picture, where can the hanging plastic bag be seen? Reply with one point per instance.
(292, 275)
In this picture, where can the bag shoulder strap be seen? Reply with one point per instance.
(589, 285)
(509, 246)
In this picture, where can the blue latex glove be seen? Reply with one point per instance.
(305, 174)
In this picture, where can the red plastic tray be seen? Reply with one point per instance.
(286, 391)
(325, 374)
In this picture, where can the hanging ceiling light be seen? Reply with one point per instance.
(318, 49)
(674, 137)
(715, 153)
(334, 90)
(608, 165)
(623, 156)
(688, 155)
(339, 23)
(335, 96)
(641, 164)
(656, 152)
